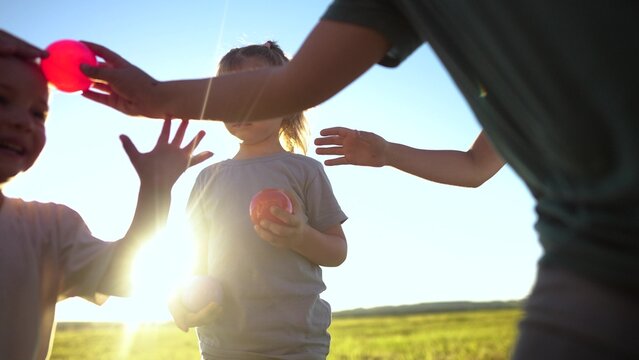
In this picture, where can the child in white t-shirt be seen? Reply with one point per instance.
(47, 253)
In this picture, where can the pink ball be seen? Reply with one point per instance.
(62, 66)
(201, 291)
(261, 203)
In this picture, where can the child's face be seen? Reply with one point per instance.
(254, 132)
(251, 133)
(23, 110)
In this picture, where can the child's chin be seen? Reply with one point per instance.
(8, 173)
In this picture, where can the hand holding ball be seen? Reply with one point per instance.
(201, 291)
(262, 202)
(62, 66)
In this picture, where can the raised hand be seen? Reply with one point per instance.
(163, 165)
(13, 46)
(121, 85)
(355, 147)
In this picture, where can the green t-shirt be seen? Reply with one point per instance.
(553, 85)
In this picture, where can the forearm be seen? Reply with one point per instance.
(332, 56)
(252, 95)
(150, 215)
(450, 167)
(325, 249)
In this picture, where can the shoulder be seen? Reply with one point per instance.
(302, 165)
(210, 171)
(42, 211)
(304, 160)
(42, 222)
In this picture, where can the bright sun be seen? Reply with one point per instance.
(161, 267)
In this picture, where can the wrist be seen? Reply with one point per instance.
(297, 243)
(161, 99)
(388, 154)
(157, 185)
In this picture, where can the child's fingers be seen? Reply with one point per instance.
(130, 149)
(264, 232)
(282, 215)
(165, 132)
(203, 156)
(296, 204)
(275, 230)
(179, 134)
(208, 313)
(195, 141)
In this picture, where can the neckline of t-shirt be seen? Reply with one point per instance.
(270, 157)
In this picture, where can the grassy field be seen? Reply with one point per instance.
(465, 335)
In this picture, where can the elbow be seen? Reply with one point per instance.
(475, 183)
(339, 258)
(478, 179)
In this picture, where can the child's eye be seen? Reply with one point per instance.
(40, 115)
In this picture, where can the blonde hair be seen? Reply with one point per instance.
(294, 128)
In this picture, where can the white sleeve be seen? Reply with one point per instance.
(84, 259)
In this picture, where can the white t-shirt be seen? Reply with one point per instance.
(47, 253)
(271, 306)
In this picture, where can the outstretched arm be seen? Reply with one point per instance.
(333, 55)
(158, 171)
(469, 168)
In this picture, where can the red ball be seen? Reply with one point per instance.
(262, 202)
(62, 66)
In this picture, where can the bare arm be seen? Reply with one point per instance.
(158, 170)
(325, 248)
(469, 168)
(332, 56)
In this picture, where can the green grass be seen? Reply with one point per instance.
(468, 335)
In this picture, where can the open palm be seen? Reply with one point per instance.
(163, 165)
(355, 147)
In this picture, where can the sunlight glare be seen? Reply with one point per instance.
(160, 268)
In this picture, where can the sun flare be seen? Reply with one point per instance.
(161, 267)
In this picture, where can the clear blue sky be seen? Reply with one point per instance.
(410, 240)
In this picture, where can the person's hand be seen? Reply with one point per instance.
(185, 319)
(121, 85)
(11, 45)
(286, 235)
(355, 147)
(162, 166)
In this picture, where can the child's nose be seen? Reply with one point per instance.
(21, 119)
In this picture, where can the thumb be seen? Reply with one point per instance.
(293, 198)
